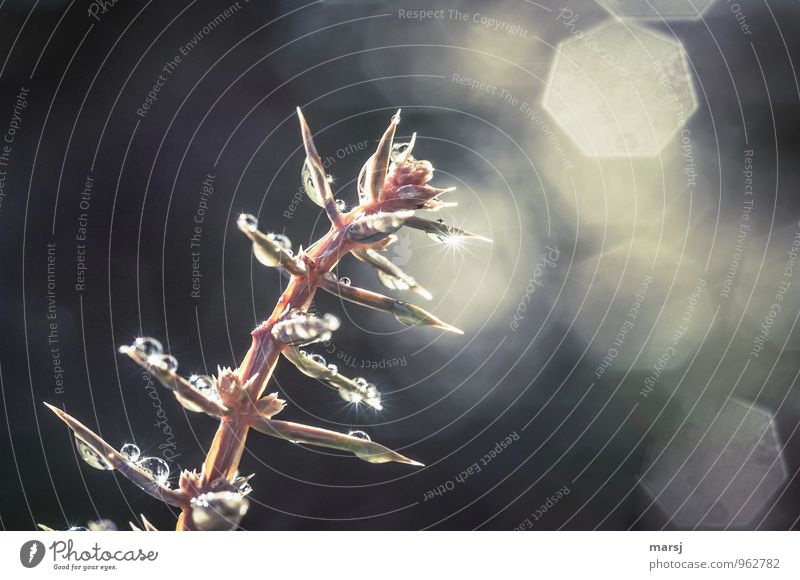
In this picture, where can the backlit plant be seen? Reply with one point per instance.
(392, 186)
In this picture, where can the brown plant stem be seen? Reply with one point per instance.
(184, 521)
(227, 446)
(392, 185)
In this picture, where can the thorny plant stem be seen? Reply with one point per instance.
(228, 444)
(392, 188)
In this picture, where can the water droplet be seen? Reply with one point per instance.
(308, 185)
(281, 240)
(439, 238)
(333, 368)
(351, 397)
(361, 384)
(168, 363)
(398, 149)
(374, 401)
(205, 385)
(302, 328)
(319, 359)
(156, 467)
(393, 282)
(440, 235)
(247, 223)
(78, 529)
(219, 511)
(360, 435)
(102, 526)
(344, 280)
(201, 382)
(130, 452)
(242, 485)
(341, 205)
(91, 456)
(374, 227)
(148, 346)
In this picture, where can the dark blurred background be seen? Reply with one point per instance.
(684, 418)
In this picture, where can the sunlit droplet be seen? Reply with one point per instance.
(218, 511)
(148, 346)
(351, 397)
(168, 363)
(130, 451)
(393, 282)
(344, 280)
(282, 241)
(245, 488)
(303, 328)
(360, 435)
(103, 525)
(156, 467)
(374, 227)
(91, 456)
(247, 223)
(205, 385)
(397, 150)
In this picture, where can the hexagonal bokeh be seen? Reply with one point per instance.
(620, 90)
(767, 259)
(728, 480)
(658, 9)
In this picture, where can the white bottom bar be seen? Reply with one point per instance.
(398, 555)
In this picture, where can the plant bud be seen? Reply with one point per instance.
(218, 511)
(378, 164)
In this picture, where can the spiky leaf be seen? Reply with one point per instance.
(138, 476)
(362, 448)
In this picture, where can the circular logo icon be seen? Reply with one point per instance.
(31, 553)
